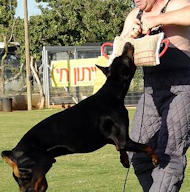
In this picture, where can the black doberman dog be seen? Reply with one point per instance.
(94, 122)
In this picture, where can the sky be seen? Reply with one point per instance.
(32, 8)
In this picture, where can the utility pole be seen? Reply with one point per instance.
(27, 52)
(2, 78)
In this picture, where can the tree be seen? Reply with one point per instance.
(7, 11)
(71, 22)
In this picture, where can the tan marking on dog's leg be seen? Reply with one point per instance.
(38, 183)
(154, 157)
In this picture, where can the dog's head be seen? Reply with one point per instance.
(29, 170)
(122, 67)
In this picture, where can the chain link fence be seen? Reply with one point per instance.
(70, 95)
(15, 83)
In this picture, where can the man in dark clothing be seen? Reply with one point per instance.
(162, 118)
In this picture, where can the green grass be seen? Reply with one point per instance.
(99, 171)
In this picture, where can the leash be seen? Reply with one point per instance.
(125, 181)
(127, 174)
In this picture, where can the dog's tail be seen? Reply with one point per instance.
(6, 154)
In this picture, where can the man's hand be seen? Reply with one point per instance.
(135, 29)
(149, 23)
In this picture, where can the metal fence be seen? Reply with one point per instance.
(16, 88)
(72, 95)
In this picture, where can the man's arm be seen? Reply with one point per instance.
(177, 17)
(178, 13)
(132, 25)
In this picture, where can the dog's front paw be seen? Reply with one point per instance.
(150, 152)
(155, 160)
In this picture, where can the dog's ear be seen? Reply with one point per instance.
(105, 70)
(128, 50)
(8, 157)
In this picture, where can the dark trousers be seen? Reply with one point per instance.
(162, 120)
